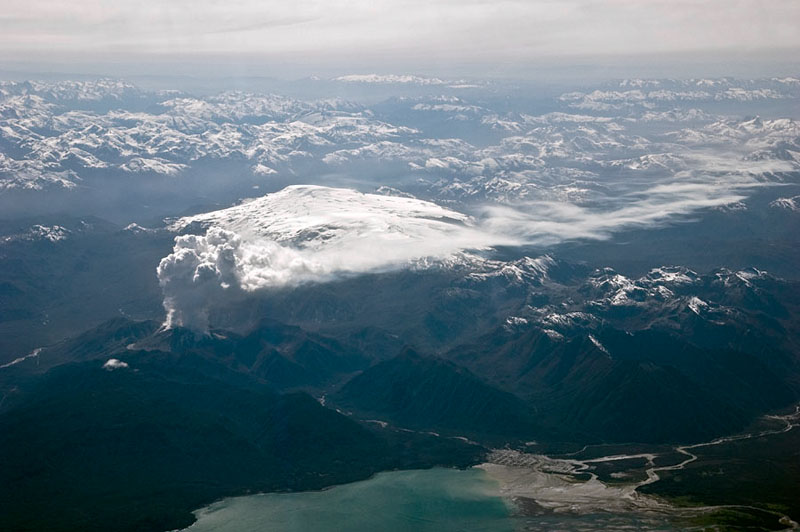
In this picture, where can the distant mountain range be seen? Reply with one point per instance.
(453, 143)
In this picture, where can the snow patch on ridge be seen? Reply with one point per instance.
(697, 305)
(789, 204)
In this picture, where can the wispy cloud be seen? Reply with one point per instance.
(264, 24)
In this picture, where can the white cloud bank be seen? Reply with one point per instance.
(461, 29)
(314, 234)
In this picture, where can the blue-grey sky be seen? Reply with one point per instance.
(383, 32)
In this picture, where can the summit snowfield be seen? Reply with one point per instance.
(313, 217)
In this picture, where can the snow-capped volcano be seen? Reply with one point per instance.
(305, 233)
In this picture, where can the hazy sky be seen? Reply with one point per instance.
(385, 31)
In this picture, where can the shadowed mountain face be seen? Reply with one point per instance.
(119, 433)
(434, 394)
(646, 386)
(280, 355)
(60, 276)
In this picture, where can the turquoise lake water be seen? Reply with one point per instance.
(440, 500)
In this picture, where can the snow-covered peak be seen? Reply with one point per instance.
(790, 204)
(68, 90)
(138, 229)
(697, 305)
(38, 232)
(672, 275)
(527, 270)
(608, 288)
(390, 78)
